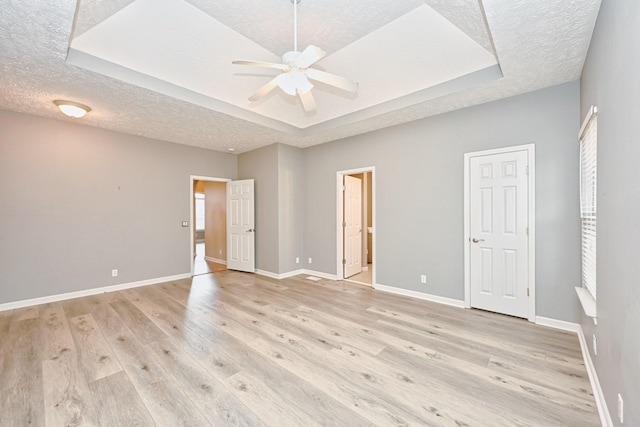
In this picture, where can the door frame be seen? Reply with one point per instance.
(192, 224)
(531, 214)
(339, 219)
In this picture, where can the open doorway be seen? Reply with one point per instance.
(209, 225)
(355, 226)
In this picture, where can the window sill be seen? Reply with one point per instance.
(588, 303)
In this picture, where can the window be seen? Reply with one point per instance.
(588, 202)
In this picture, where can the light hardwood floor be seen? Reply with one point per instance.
(232, 348)
(364, 277)
(201, 265)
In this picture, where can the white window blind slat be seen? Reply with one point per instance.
(588, 200)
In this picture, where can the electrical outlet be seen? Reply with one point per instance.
(220, 252)
(423, 278)
(620, 409)
(185, 223)
(114, 272)
(310, 262)
(297, 260)
(595, 345)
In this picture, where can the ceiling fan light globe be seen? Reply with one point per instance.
(301, 82)
(287, 83)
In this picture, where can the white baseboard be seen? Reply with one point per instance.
(557, 324)
(267, 273)
(420, 295)
(601, 403)
(295, 273)
(292, 273)
(279, 276)
(87, 292)
(320, 274)
(216, 260)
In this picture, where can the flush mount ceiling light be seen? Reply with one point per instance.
(296, 73)
(72, 109)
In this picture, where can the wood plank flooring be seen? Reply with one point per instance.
(236, 349)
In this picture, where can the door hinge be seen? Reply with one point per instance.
(527, 169)
(527, 291)
(527, 231)
(344, 224)
(344, 261)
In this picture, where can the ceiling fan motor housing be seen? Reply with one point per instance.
(289, 58)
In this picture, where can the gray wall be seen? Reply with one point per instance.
(279, 173)
(291, 187)
(262, 166)
(77, 202)
(419, 194)
(610, 81)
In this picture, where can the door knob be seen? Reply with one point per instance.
(477, 240)
(251, 230)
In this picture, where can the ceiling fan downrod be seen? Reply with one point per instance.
(295, 24)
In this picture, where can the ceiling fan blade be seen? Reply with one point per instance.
(332, 80)
(273, 83)
(309, 56)
(308, 103)
(282, 67)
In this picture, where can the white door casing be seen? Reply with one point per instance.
(498, 262)
(352, 225)
(241, 226)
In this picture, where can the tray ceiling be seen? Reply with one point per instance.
(162, 68)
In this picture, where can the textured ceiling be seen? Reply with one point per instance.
(162, 68)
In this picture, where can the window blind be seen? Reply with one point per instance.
(588, 202)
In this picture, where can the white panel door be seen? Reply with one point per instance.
(499, 270)
(240, 226)
(352, 226)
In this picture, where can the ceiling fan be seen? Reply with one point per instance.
(296, 71)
